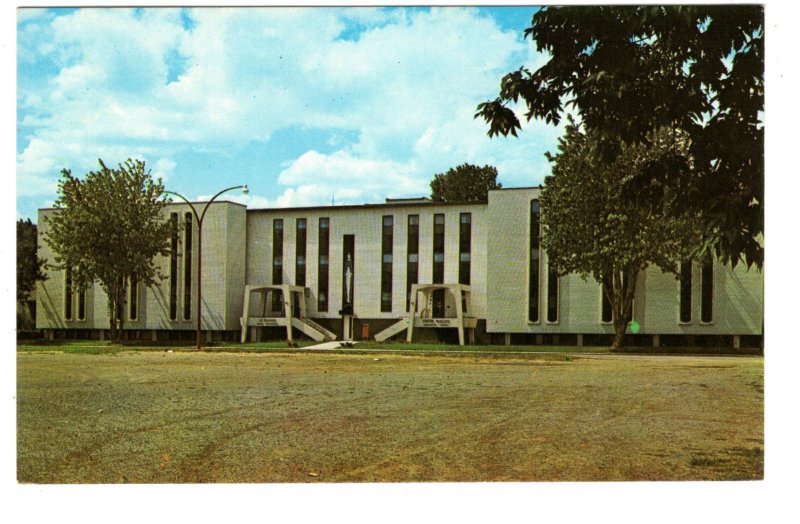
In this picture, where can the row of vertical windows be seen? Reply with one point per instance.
(534, 272)
(706, 295)
(301, 247)
(706, 292)
(685, 294)
(322, 267)
(387, 240)
(387, 257)
(71, 296)
(412, 257)
(173, 272)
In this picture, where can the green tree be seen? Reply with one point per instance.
(629, 71)
(465, 183)
(29, 270)
(108, 228)
(29, 265)
(592, 226)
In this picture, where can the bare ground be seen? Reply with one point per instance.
(197, 417)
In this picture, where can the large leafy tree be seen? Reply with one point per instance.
(29, 265)
(629, 71)
(29, 270)
(594, 227)
(108, 228)
(465, 183)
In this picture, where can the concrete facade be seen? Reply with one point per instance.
(239, 250)
(737, 294)
(224, 234)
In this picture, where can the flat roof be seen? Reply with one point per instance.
(393, 204)
(173, 203)
(390, 203)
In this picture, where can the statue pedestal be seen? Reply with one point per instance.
(347, 323)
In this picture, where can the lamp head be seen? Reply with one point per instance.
(245, 190)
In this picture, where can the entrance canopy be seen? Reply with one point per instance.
(281, 305)
(453, 313)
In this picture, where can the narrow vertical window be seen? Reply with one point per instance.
(277, 261)
(686, 292)
(322, 267)
(133, 299)
(300, 253)
(387, 240)
(605, 309)
(173, 269)
(187, 268)
(552, 295)
(348, 272)
(82, 303)
(412, 260)
(68, 294)
(533, 264)
(438, 264)
(464, 247)
(707, 292)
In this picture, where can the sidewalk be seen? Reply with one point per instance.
(334, 344)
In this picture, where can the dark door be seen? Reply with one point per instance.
(438, 303)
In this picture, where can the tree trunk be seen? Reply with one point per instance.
(112, 313)
(619, 336)
(623, 287)
(120, 309)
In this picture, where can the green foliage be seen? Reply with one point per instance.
(29, 265)
(630, 71)
(108, 228)
(596, 224)
(465, 183)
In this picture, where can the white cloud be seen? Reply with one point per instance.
(319, 178)
(163, 169)
(138, 83)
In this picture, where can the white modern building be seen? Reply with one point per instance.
(406, 268)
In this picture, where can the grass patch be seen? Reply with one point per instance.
(159, 417)
(105, 347)
(478, 348)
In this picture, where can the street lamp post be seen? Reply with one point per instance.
(199, 219)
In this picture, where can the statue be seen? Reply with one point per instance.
(348, 281)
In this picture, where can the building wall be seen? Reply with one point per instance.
(223, 279)
(237, 250)
(365, 223)
(737, 294)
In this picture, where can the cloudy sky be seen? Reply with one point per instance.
(307, 106)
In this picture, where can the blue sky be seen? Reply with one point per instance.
(305, 105)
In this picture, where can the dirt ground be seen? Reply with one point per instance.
(159, 417)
